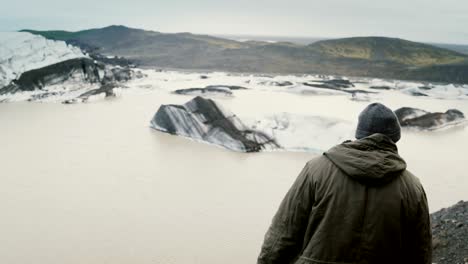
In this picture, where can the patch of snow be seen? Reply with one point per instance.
(304, 133)
(448, 91)
(381, 82)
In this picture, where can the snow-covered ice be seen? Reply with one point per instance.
(22, 51)
(295, 132)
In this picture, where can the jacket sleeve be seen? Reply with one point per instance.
(422, 234)
(283, 240)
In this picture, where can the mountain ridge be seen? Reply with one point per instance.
(379, 57)
(385, 48)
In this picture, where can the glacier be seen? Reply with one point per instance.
(21, 52)
(72, 81)
(33, 68)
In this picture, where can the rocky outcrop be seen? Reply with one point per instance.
(205, 120)
(450, 234)
(414, 117)
(225, 90)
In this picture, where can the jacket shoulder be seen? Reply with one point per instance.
(318, 163)
(412, 187)
(320, 168)
(411, 180)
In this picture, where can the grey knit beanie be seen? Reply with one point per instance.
(377, 118)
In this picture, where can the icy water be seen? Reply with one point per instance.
(92, 183)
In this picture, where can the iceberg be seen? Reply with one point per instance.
(295, 132)
(421, 119)
(204, 120)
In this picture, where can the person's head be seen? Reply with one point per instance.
(377, 118)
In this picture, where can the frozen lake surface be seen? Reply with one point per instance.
(92, 183)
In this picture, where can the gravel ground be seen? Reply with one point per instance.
(450, 235)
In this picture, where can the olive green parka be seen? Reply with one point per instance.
(356, 203)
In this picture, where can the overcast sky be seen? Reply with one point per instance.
(444, 21)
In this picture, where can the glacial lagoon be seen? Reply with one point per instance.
(93, 183)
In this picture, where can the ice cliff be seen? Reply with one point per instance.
(21, 52)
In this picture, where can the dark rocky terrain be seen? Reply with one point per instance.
(365, 56)
(450, 234)
(203, 119)
(413, 117)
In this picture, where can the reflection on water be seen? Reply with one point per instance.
(92, 183)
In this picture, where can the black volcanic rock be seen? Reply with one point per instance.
(205, 120)
(413, 117)
(450, 234)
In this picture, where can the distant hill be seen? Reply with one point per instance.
(388, 49)
(455, 47)
(137, 43)
(363, 56)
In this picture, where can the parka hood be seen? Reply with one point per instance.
(372, 160)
